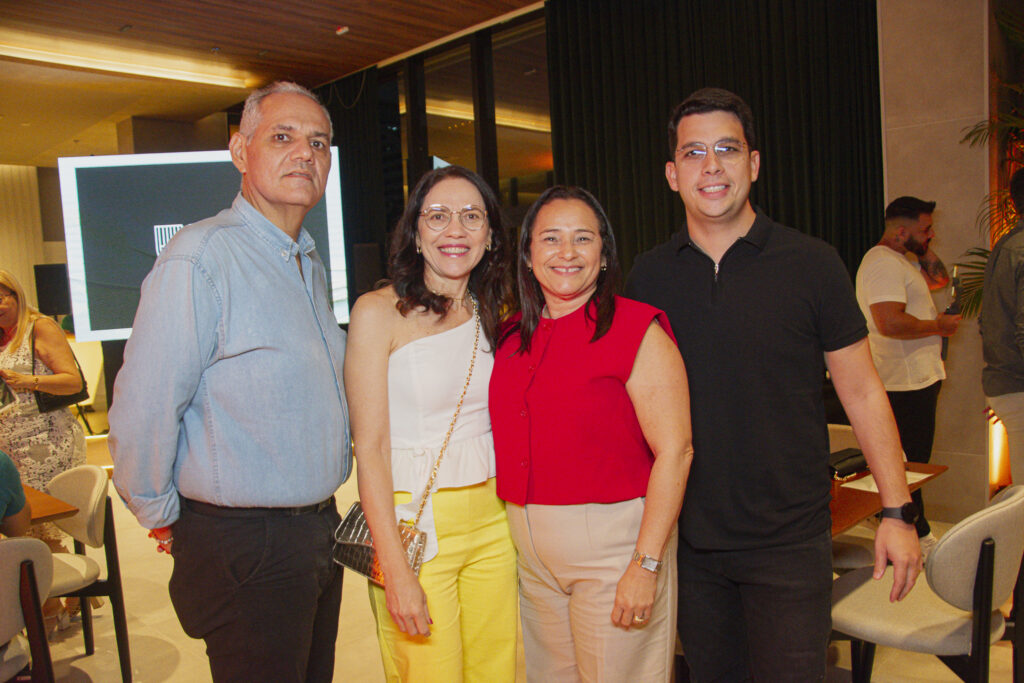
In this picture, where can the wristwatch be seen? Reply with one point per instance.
(907, 512)
(646, 562)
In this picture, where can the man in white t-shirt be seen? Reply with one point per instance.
(904, 328)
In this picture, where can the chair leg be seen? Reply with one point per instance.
(116, 593)
(81, 414)
(978, 662)
(1018, 658)
(862, 660)
(32, 611)
(1018, 629)
(87, 632)
(121, 634)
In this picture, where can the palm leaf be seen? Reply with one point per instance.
(972, 280)
(1012, 24)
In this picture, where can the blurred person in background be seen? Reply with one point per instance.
(41, 444)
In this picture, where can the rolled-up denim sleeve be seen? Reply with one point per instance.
(174, 338)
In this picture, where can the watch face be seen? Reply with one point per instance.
(909, 512)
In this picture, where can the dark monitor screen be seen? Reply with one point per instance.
(119, 211)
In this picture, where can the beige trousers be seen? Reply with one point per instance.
(571, 558)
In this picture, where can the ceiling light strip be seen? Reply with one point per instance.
(135, 69)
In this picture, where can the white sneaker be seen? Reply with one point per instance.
(927, 543)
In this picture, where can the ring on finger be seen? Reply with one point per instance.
(637, 619)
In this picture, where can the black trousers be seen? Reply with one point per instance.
(915, 419)
(261, 590)
(756, 615)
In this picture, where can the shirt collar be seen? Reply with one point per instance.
(757, 235)
(270, 233)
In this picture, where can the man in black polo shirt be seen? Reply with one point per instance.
(760, 310)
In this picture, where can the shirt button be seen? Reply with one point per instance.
(532, 368)
(523, 413)
(284, 253)
(524, 463)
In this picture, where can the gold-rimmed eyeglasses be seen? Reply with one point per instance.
(437, 217)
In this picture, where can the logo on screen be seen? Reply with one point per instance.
(162, 234)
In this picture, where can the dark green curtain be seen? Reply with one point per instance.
(808, 69)
(353, 104)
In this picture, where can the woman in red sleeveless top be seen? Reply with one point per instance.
(590, 414)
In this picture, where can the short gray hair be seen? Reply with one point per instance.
(251, 113)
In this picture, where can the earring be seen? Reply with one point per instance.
(529, 267)
(489, 246)
(418, 250)
(604, 266)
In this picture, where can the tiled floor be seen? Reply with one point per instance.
(162, 652)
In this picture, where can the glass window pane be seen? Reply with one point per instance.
(522, 113)
(448, 82)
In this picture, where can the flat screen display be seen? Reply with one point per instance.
(120, 211)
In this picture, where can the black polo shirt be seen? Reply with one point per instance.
(753, 337)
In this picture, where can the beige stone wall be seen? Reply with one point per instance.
(21, 237)
(934, 70)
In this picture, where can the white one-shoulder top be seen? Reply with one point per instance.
(425, 379)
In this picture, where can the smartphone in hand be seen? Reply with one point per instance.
(7, 395)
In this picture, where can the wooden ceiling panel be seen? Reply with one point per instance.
(49, 110)
(269, 39)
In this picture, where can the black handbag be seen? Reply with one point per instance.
(47, 403)
(847, 463)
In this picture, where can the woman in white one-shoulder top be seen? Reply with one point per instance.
(410, 348)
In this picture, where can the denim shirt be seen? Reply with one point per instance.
(231, 390)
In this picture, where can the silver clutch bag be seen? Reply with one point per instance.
(353, 545)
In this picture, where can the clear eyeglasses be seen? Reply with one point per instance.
(727, 151)
(437, 217)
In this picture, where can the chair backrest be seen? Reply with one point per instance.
(13, 551)
(90, 358)
(840, 437)
(85, 487)
(953, 563)
(1002, 495)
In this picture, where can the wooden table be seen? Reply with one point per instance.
(46, 508)
(852, 506)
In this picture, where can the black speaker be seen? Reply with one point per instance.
(52, 290)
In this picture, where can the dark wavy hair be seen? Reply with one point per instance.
(490, 279)
(601, 305)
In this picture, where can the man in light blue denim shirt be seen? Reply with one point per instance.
(229, 428)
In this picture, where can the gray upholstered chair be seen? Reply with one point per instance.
(852, 552)
(950, 614)
(77, 575)
(26, 570)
